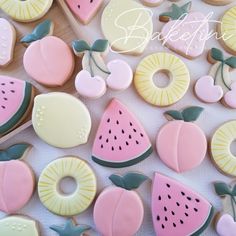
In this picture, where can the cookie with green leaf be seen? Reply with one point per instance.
(180, 143)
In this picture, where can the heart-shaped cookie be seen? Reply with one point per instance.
(226, 226)
(230, 97)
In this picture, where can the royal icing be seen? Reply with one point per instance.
(173, 67)
(178, 210)
(70, 204)
(111, 215)
(18, 225)
(120, 140)
(48, 59)
(218, 2)
(152, 3)
(15, 102)
(117, 23)
(16, 179)
(188, 142)
(26, 11)
(84, 10)
(7, 42)
(61, 120)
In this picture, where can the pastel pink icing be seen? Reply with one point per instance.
(49, 61)
(226, 226)
(16, 185)
(181, 145)
(118, 212)
(230, 97)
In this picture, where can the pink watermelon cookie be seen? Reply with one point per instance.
(177, 210)
(120, 140)
(15, 102)
(187, 141)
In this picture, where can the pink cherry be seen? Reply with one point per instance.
(230, 97)
(207, 91)
(88, 86)
(226, 226)
(121, 75)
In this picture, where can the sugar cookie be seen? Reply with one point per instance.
(17, 225)
(178, 210)
(16, 98)
(219, 84)
(185, 33)
(48, 59)
(218, 2)
(84, 10)
(152, 3)
(120, 140)
(26, 11)
(119, 210)
(188, 142)
(222, 156)
(173, 67)
(91, 81)
(61, 120)
(80, 199)
(16, 179)
(118, 21)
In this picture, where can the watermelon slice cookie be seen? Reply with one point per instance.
(120, 140)
(15, 102)
(177, 210)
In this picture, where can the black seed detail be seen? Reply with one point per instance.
(5, 99)
(130, 123)
(168, 186)
(117, 122)
(166, 219)
(107, 140)
(135, 130)
(141, 134)
(159, 198)
(165, 209)
(100, 137)
(91, 1)
(109, 131)
(13, 91)
(112, 148)
(108, 120)
(3, 107)
(11, 82)
(127, 143)
(186, 214)
(158, 218)
(3, 84)
(120, 112)
(189, 198)
(172, 213)
(130, 137)
(101, 146)
(162, 226)
(174, 224)
(115, 137)
(181, 222)
(137, 142)
(122, 131)
(197, 200)
(186, 206)
(78, 6)
(195, 209)
(120, 148)
(177, 204)
(3, 92)
(183, 193)
(169, 196)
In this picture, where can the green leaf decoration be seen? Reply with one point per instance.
(234, 190)
(80, 46)
(176, 115)
(117, 180)
(222, 189)
(192, 113)
(14, 152)
(231, 62)
(217, 54)
(100, 45)
(41, 30)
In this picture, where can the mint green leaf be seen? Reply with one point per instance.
(231, 62)
(14, 152)
(100, 45)
(217, 54)
(176, 115)
(117, 180)
(80, 46)
(133, 180)
(192, 113)
(222, 189)
(234, 190)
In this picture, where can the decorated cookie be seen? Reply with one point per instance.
(118, 209)
(84, 10)
(120, 140)
(67, 204)
(61, 120)
(221, 154)
(188, 142)
(185, 32)
(173, 67)
(16, 179)
(92, 81)
(17, 225)
(26, 11)
(218, 2)
(178, 210)
(16, 98)
(7, 42)
(119, 19)
(48, 59)
(218, 85)
(152, 3)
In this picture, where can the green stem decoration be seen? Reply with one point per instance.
(96, 64)
(221, 70)
(90, 63)
(232, 204)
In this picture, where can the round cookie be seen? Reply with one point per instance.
(152, 3)
(173, 67)
(25, 11)
(218, 2)
(221, 154)
(119, 210)
(56, 201)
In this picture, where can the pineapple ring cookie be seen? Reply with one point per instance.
(25, 11)
(221, 154)
(173, 67)
(51, 195)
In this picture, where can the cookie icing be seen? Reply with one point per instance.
(218, 2)
(152, 3)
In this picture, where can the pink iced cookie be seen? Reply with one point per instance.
(187, 141)
(16, 179)
(230, 96)
(226, 226)
(119, 210)
(177, 210)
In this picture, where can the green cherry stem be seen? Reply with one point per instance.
(90, 63)
(232, 204)
(221, 70)
(96, 64)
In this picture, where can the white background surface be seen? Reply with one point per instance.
(152, 118)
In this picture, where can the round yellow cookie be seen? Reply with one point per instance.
(173, 67)
(56, 201)
(224, 160)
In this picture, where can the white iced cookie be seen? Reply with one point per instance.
(152, 3)
(61, 120)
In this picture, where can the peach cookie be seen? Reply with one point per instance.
(226, 220)
(222, 156)
(127, 25)
(119, 210)
(16, 179)
(92, 80)
(67, 204)
(218, 85)
(188, 142)
(173, 67)
(48, 59)
(61, 120)
(218, 2)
